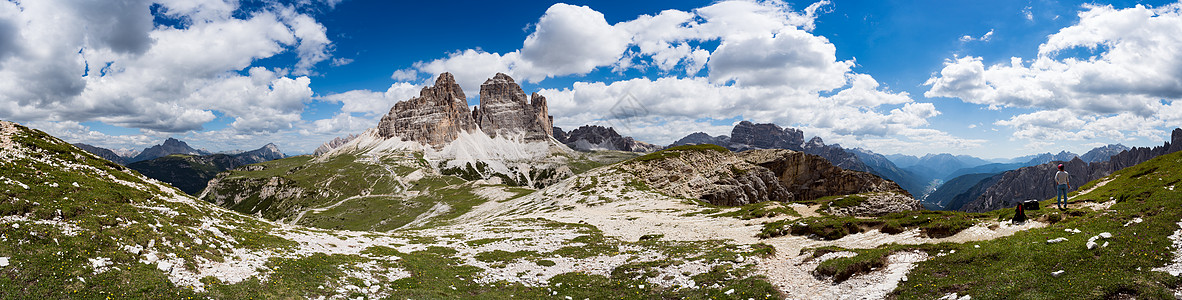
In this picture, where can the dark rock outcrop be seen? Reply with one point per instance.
(835, 154)
(700, 138)
(747, 136)
(809, 176)
(558, 134)
(721, 177)
(1036, 182)
(504, 111)
(102, 152)
(595, 137)
(171, 146)
(437, 116)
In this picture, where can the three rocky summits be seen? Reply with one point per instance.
(440, 113)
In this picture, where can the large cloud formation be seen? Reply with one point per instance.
(732, 59)
(80, 61)
(1115, 74)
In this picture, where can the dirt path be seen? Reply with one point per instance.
(1098, 185)
(370, 158)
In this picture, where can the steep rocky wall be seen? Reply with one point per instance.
(809, 176)
(724, 178)
(504, 110)
(435, 117)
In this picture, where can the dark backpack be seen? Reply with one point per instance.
(1030, 205)
(1020, 213)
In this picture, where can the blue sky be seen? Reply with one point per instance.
(991, 79)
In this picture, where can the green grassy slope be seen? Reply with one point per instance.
(75, 226)
(1146, 211)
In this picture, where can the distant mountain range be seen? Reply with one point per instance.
(191, 173)
(1035, 182)
(182, 166)
(966, 185)
(171, 146)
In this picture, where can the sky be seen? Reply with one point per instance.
(993, 79)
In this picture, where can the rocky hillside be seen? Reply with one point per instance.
(79, 227)
(714, 174)
(595, 137)
(747, 135)
(333, 144)
(1036, 182)
(169, 147)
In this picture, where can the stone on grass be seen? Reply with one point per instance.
(1056, 240)
(1058, 273)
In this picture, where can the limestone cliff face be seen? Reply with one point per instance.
(724, 178)
(712, 176)
(437, 116)
(504, 110)
(809, 176)
(440, 113)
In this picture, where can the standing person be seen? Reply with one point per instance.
(1063, 185)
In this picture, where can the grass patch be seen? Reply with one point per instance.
(935, 224)
(674, 152)
(766, 209)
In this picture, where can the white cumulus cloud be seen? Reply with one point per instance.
(1116, 72)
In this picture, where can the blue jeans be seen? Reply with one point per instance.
(1062, 195)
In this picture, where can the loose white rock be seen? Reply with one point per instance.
(3, 261)
(1057, 273)
(1056, 240)
(1105, 235)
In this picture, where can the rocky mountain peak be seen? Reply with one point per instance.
(699, 138)
(504, 110)
(1103, 153)
(1176, 140)
(815, 142)
(437, 116)
(169, 147)
(173, 142)
(766, 136)
(440, 113)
